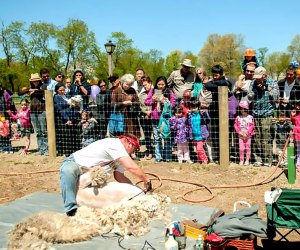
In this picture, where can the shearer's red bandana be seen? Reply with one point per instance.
(131, 140)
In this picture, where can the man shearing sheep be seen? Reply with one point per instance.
(112, 154)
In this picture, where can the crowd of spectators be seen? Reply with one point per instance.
(177, 116)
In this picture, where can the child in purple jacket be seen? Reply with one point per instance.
(179, 126)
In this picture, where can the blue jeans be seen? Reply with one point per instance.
(38, 121)
(157, 143)
(167, 152)
(159, 151)
(69, 178)
(147, 129)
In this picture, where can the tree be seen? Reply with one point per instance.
(5, 40)
(43, 35)
(122, 43)
(294, 48)
(224, 50)
(173, 61)
(78, 45)
(277, 63)
(15, 50)
(262, 54)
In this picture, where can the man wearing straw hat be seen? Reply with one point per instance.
(182, 79)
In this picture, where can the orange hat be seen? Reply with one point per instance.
(132, 140)
(249, 52)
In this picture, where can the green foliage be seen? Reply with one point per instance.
(276, 64)
(173, 61)
(78, 46)
(224, 50)
(294, 48)
(261, 55)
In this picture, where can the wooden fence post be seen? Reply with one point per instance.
(50, 123)
(223, 126)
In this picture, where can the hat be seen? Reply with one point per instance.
(244, 104)
(133, 140)
(187, 63)
(59, 74)
(35, 77)
(259, 72)
(249, 52)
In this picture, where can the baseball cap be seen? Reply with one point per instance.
(259, 72)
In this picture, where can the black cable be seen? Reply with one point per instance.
(147, 243)
(120, 239)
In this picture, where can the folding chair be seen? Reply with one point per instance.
(284, 213)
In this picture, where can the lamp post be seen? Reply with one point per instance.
(110, 48)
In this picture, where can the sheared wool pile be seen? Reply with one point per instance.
(131, 218)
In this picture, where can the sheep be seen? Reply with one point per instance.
(102, 210)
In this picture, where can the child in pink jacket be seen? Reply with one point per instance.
(23, 124)
(244, 127)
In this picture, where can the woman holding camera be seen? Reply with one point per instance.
(81, 87)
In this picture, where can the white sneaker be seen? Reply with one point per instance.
(179, 161)
(258, 164)
(189, 161)
(241, 163)
(24, 152)
(246, 163)
(283, 164)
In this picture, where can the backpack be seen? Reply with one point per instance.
(4, 128)
(164, 121)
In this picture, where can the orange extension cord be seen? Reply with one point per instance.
(199, 185)
(209, 189)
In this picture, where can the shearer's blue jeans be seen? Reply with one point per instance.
(69, 178)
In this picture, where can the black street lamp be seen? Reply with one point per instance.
(110, 48)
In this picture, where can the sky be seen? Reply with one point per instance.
(167, 25)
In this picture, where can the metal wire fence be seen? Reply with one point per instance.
(75, 128)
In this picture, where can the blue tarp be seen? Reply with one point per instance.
(13, 212)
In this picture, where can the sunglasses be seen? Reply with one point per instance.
(134, 147)
(250, 71)
(102, 86)
(60, 76)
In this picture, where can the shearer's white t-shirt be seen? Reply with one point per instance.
(102, 151)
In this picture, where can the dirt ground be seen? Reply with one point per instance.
(22, 175)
